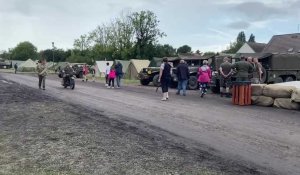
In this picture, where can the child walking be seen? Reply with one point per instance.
(204, 77)
(111, 77)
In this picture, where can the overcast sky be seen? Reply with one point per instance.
(202, 24)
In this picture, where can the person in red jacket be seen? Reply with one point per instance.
(204, 73)
(85, 71)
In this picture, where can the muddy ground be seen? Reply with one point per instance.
(40, 134)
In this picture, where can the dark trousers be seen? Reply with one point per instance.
(15, 71)
(119, 77)
(106, 79)
(165, 84)
(203, 87)
(111, 82)
(42, 81)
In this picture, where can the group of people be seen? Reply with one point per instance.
(249, 70)
(113, 73)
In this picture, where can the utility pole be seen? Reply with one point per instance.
(53, 52)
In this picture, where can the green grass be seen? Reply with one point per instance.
(124, 81)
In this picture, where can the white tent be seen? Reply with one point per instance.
(101, 65)
(27, 66)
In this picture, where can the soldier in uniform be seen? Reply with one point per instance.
(257, 72)
(225, 77)
(42, 73)
(243, 69)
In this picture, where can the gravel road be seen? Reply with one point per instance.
(252, 140)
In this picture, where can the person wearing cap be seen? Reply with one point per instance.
(183, 75)
(225, 77)
(165, 78)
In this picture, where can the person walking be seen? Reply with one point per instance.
(119, 72)
(112, 76)
(204, 73)
(242, 69)
(165, 78)
(107, 71)
(42, 73)
(257, 72)
(93, 72)
(183, 76)
(225, 77)
(16, 67)
(85, 71)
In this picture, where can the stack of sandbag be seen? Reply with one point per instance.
(277, 95)
(257, 97)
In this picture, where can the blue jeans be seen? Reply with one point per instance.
(119, 77)
(182, 84)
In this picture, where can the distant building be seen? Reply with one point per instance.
(251, 47)
(288, 43)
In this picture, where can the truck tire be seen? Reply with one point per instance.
(155, 80)
(264, 75)
(193, 83)
(145, 82)
(278, 80)
(289, 78)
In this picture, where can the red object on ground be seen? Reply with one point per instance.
(241, 95)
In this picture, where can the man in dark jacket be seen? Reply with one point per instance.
(119, 73)
(183, 77)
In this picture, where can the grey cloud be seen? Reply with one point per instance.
(258, 11)
(239, 25)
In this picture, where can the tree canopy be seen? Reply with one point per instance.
(24, 51)
(184, 49)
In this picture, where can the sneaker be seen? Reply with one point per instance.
(108, 87)
(163, 99)
(113, 87)
(202, 95)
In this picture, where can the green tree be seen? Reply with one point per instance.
(184, 49)
(235, 46)
(145, 24)
(24, 51)
(251, 38)
(59, 55)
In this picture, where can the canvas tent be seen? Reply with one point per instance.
(60, 65)
(13, 62)
(101, 65)
(124, 63)
(27, 66)
(135, 67)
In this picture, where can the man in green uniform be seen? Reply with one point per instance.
(243, 69)
(225, 77)
(257, 72)
(42, 73)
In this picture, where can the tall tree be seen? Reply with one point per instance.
(145, 24)
(24, 51)
(184, 49)
(235, 46)
(251, 39)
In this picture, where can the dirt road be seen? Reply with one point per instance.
(265, 137)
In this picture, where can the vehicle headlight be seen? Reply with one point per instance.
(274, 76)
(149, 72)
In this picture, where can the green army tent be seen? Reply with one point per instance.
(27, 66)
(135, 67)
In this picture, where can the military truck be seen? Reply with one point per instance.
(277, 68)
(281, 67)
(151, 74)
(78, 68)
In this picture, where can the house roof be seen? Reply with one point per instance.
(257, 47)
(283, 44)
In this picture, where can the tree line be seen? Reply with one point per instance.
(131, 36)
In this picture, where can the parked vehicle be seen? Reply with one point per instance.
(277, 68)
